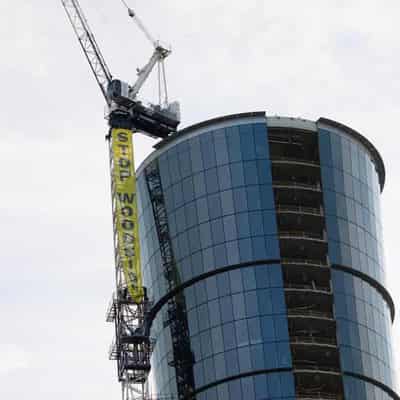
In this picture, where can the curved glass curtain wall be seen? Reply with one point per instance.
(352, 206)
(219, 198)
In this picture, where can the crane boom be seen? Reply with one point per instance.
(89, 46)
(159, 54)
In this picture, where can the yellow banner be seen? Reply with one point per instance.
(126, 210)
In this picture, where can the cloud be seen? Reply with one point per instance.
(13, 358)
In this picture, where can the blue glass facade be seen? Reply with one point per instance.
(351, 187)
(218, 194)
(217, 181)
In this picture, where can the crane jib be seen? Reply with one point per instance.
(126, 214)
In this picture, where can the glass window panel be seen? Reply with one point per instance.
(208, 150)
(212, 289)
(346, 154)
(214, 312)
(178, 194)
(274, 385)
(229, 335)
(269, 222)
(194, 239)
(195, 154)
(264, 302)
(267, 197)
(240, 199)
(196, 347)
(275, 275)
(201, 292)
(232, 249)
(221, 147)
(247, 142)
(243, 226)
(206, 345)
(325, 147)
(255, 334)
(262, 276)
(223, 284)
(242, 333)
(198, 374)
(186, 270)
(226, 309)
(185, 163)
(199, 184)
(248, 388)
(214, 206)
(197, 263)
(209, 370)
(211, 178)
(220, 366)
(327, 178)
(223, 392)
(281, 328)
(164, 170)
(205, 235)
(244, 359)
(264, 172)
(217, 339)
(235, 390)
(287, 384)
(261, 387)
(251, 304)
(245, 250)
(237, 174)
(253, 197)
(217, 231)
(202, 209)
(268, 329)
(224, 177)
(190, 297)
(203, 317)
(191, 214)
(259, 248)
(249, 278)
(261, 140)
(284, 355)
(227, 202)
(235, 277)
(336, 151)
(256, 223)
(257, 357)
(250, 173)
(174, 169)
(220, 255)
(193, 322)
(232, 364)
(278, 301)
(233, 140)
(338, 179)
(239, 311)
(208, 259)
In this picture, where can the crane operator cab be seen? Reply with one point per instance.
(153, 119)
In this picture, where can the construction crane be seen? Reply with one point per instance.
(126, 114)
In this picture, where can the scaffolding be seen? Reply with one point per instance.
(183, 358)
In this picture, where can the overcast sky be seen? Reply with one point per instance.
(338, 59)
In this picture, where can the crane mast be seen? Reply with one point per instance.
(129, 308)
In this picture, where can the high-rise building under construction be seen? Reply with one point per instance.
(261, 248)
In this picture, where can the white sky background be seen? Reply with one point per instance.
(339, 59)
